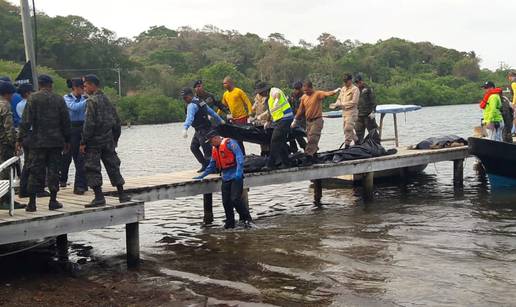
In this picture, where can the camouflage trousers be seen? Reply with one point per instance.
(350, 118)
(107, 154)
(363, 123)
(39, 160)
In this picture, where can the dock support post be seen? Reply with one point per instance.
(458, 172)
(132, 239)
(208, 208)
(62, 247)
(317, 192)
(368, 185)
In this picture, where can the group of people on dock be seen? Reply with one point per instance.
(278, 114)
(51, 130)
(498, 111)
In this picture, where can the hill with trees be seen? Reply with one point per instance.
(159, 61)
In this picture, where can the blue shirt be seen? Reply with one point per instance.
(192, 109)
(76, 107)
(234, 173)
(20, 107)
(14, 103)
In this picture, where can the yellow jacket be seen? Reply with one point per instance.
(238, 103)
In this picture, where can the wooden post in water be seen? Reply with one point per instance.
(458, 172)
(62, 247)
(317, 192)
(208, 208)
(368, 185)
(132, 239)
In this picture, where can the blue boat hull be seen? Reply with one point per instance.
(498, 159)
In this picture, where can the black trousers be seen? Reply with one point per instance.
(77, 157)
(292, 143)
(279, 148)
(232, 200)
(198, 142)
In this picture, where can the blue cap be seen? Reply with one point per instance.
(6, 88)
(45, 79)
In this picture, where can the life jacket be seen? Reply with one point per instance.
(494, 91)
(283, 108)
(201, 120)
(223, 156)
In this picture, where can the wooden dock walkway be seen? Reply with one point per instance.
(74, 217)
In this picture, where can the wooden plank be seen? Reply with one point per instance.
(36, 229)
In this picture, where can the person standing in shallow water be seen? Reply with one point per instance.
(76, 103)
(46, 118)
(227, 158)
(102, 129)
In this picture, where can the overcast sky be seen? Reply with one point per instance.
(486, 27)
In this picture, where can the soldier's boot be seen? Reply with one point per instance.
(53, 204)
(31, 207)
(99, 199)
(122, 196)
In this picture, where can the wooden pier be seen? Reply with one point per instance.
(74, 217)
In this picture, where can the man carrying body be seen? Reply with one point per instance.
(227, 158)
(260, 107)
(239, 105)
(311, 109)
(295, 101)
(281, 116)
(100, 136)
(209, 98)
(7, 133)
(348, 102)
(197, 112)
(46, 118)
(366, 110)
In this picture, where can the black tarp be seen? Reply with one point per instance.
(252, 134)
(441, 142)
(370, 148)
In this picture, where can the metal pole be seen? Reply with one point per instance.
(28, 40)
(119, 83)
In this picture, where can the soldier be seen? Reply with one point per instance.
(366, 109)
(348, 101)
(7, 132)
(100, 136)
(47, 116)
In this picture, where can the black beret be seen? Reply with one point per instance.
(45, 79)
(74, 82)
(91, 78)
(197, 82)
(6, 88)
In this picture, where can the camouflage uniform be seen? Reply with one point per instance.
(7, 135)
(102, 129)
(47, 115)
(366, 106)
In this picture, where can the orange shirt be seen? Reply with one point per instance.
(311, 106)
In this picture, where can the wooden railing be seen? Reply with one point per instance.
(7, 186)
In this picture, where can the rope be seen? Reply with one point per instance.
(25, 249)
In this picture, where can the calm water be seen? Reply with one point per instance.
(422, 243)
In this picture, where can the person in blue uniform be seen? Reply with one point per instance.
(227, 157)
(76, 104)
(197, 112)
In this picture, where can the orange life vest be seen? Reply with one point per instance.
(223, 156)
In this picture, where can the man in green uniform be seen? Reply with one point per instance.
(366, 109)
(47, 116)
(7, 132)
(102, 129)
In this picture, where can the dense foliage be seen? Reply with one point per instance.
(158, 62)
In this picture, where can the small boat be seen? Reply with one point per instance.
(498, 160)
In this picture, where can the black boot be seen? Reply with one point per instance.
(53, 204)
(308, 161)
(122, 197)
(31, 207)
(99, 199)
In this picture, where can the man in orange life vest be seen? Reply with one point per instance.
(227, 157)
